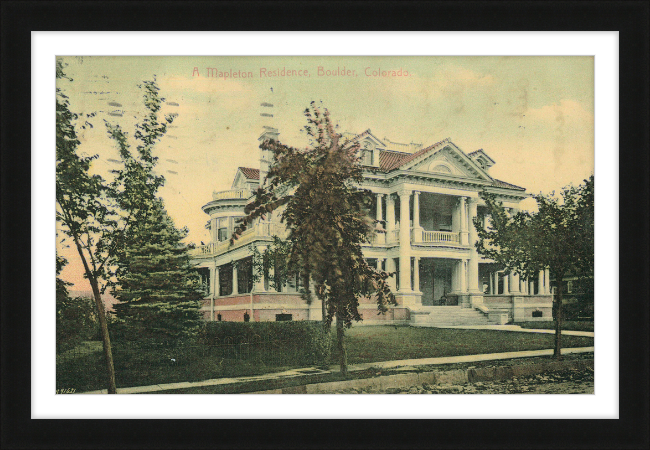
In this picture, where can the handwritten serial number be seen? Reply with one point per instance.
(66, 391)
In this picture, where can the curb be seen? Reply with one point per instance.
(459, 376)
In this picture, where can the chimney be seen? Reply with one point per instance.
(266, 156)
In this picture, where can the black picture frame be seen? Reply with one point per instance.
(631, 19)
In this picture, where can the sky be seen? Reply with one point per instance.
(534, 116)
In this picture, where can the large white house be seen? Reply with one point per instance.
(426, 199)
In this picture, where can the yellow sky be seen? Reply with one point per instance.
(533, 115)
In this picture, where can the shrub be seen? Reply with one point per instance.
(309, 337)
(75, 322)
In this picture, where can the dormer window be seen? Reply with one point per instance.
(367, 154)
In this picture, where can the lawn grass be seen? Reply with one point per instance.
(386, 343)
(365, 344)
(572, 325)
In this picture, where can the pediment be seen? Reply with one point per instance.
(448, 161)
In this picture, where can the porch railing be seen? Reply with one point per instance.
(440, 236)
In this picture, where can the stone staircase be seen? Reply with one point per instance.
(448, 316)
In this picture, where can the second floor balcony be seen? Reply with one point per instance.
(261, 231)
(417, 236)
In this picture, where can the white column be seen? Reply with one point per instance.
(217, 285)
(416, 274)
(212, 284)
(380, 263)
(390, 268)
(473, 253)
(506, 291)
(235, 287)
(464, 236)
(390, 217)
(404, 243)
(258, 285)
(547, 284)
(417, 231)
(463, 275)
(513, 283)
(531, 287)
(380, 212)
(541, 286)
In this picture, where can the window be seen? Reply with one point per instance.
(245, 276)
(225, 279)
(367, 156)
(222, 229)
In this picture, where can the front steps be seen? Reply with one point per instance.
(448, 316)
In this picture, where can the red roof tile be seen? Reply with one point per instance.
(251, 174)
(503, 184)
(389, 160)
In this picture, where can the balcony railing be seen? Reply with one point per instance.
(235, 194)
(262, 230)
(431, 237)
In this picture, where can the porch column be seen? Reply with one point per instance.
(214, 273)
(464, 238)
(380, 212)
(531, 287)
(506, 291)
(217, 284)
(390, 268)
(380, 263)
(547, 285)
(390, 217)
(462, 272)
(513, 283)
(417, 231)
(541, 287)
(404, 243)
(416, 274)
(258, 285)
(212, 286)
(235, 287)
(473, 254)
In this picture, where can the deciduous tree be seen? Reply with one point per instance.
(327, 217)
(559, 236)
(84, 211)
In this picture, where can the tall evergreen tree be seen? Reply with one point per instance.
(327, 216)
(558, 237)
(154, 281)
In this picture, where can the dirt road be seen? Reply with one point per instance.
(567, 382)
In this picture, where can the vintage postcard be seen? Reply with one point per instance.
(325, 224)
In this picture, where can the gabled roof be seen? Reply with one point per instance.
(250, 173)
(390, 160)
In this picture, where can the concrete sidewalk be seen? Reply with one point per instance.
(516, 328)
(310, 371)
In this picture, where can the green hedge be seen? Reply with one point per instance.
(309, 336)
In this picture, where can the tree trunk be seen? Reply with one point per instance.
(557, 350)
(343, 356)
(101, 315)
